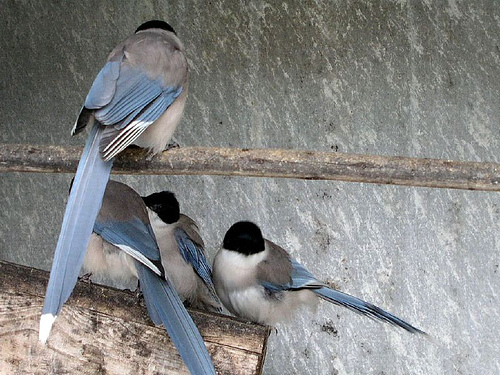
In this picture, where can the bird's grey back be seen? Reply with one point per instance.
(277, 267)
(158, 52)
(114, 208)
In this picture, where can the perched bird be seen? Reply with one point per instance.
(137, 98)
(257, 280)
(182, 251)
(123, 245)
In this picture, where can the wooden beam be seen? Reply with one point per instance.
(102, 330)
(299, 164)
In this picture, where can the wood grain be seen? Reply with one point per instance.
(298, 164)
(102, 330)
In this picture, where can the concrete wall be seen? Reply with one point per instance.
(391, 77)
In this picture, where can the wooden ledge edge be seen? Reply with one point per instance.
(100, 327)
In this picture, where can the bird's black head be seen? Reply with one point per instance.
(244, 237)
(155, 24)
(165, 205)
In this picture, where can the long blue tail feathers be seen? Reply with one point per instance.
(365, 308)
(165, 307)
(81, 211)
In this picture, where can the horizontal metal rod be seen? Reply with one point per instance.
(274, 163)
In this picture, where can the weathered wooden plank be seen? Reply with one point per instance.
(268, 163)
(104, 330)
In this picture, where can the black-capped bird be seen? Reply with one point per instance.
(259, 281)
(123, 245)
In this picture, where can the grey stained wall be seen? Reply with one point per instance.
(413, 78)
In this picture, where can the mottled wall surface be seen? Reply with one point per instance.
(391, 77)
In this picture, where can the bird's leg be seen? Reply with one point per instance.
(86, 278)
(138, 293)
(171, 145)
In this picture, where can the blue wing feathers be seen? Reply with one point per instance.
(128, 100)
(104, 86)
(301, 278)
(195, 256)
(133, 233)
(139, 91)
(134, 91)
(132, 114)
